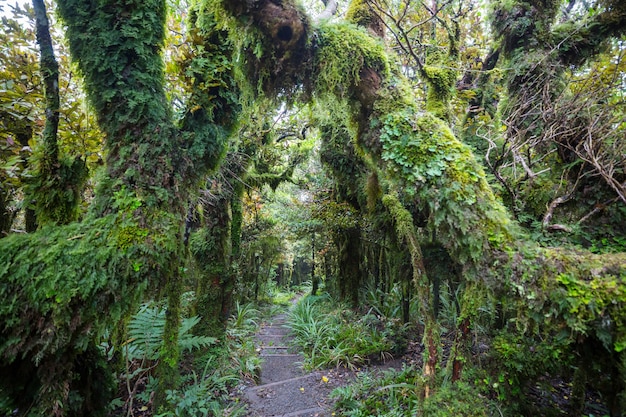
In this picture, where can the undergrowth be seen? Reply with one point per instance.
(396, 393)
(210, 369)
(332, 335)
(227, 363)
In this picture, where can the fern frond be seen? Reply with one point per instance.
(145, 334)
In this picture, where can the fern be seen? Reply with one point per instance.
(145, 334)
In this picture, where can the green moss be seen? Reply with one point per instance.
(440, 90)
(131, 235)
(63, 286)
(401, 217)
(236, 208)
(585, 291)
(343, 51)
(560, 305)
(459, 399)
(261, 48)
(58, 194)
(360, 13)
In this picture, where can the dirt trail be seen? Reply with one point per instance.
(284, 389)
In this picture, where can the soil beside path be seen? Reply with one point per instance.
(284, 388)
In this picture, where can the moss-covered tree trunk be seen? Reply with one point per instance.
(58, 183)
(63, 286)
(349, 258)
(212, 247)
(167, 370)
(407, 234)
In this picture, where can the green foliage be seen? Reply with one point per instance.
(205, 394)
(145, 333)
(58, 195)
(49, 293)
(343, 52)
(440, 89)
(387, 304)
(589, 304)
(335, 337)
(553, 317)
(222, 364)
(360, 13)
(262, 48)
(337, 216)
(132, 79)
(519, 359)
(244, 315)
(443, 175)
(393, 393)
(48, 314)
(136, 39)
(589, 298)
(458, 399)
(397, 393)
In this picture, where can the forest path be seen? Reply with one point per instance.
(285, 389)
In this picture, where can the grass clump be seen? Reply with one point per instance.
(334, 336)
(390, 393)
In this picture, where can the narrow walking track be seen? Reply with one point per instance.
(284, 389)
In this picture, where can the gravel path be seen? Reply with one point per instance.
(284, 388)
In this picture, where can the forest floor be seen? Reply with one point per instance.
(284, 389)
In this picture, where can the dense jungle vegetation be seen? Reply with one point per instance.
(446, 177)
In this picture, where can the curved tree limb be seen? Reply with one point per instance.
(329, 11)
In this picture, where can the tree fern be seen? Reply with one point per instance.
(145, 333)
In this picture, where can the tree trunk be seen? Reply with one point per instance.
(349, 274)
(314, 278)
(132, 237)
(167, 368)
(58, 184)
(211, 247)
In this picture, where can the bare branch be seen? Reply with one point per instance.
(329, 11)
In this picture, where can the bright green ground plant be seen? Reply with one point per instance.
(335, 336)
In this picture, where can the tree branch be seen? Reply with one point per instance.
(329, 11)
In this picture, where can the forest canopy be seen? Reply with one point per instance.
(449, 146)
